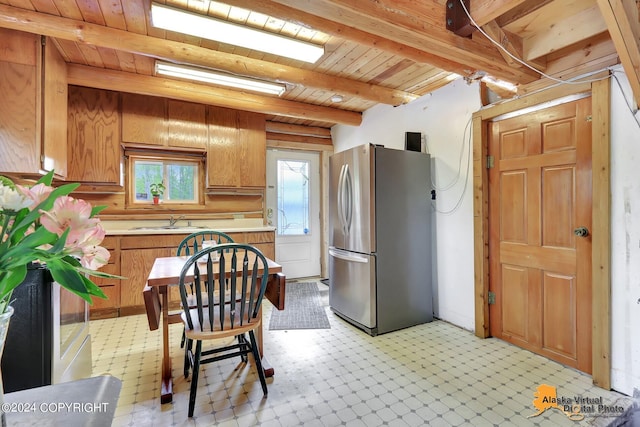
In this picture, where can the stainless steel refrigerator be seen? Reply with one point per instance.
(380, 238)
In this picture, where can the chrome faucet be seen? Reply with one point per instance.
(172, 220)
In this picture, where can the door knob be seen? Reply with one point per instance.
(581, 231)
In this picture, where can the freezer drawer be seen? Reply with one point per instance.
(352, 286)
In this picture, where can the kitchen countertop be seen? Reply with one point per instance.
(86, 402)
(132, 228)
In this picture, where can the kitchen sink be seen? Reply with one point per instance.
(170, 227)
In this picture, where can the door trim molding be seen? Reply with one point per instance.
(601, 211)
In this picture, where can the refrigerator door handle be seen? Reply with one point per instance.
(340, 198)
(349, 194)
(347, 256)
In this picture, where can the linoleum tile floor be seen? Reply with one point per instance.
(433, 374)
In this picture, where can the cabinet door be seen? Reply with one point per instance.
(222, 154)
(93, 136)
(20, 107)
(237, 149)
(54, 110)
(143, 119)
(110, 286)
(136, 265)
(253, 149)
(187, 124)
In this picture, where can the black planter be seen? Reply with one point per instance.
(27, 356)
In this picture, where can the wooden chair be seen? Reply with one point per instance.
(189, 246)
(228, 295)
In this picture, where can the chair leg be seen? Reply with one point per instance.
(187, 362)
(194, 378)
(184, 337)
(256, 356)
(242, 340)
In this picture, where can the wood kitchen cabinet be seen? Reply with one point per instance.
(102, 308)
(236, 156)
(93, 136)
(163, 122)
(54, 110)
(137, 256)
(187, 124)
(33, 84)
(143, 120)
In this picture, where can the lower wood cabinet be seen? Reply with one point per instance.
(103, 308)
(133, 257)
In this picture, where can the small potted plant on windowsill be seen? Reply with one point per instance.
(156, 189)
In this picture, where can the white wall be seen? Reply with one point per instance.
(442, 118)
(625, 241)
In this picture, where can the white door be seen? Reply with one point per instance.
(293, 207)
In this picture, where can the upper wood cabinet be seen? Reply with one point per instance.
(236, 156)
(20, 106)
(163, 122)
(187, 124)
(33, 122)
(143, 119)
(54, 108)
(93, 136)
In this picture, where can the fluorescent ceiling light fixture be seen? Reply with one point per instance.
(214, 77)
(210, 28)
(500, 83)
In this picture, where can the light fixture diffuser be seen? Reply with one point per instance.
(214, 77)
(211, 28)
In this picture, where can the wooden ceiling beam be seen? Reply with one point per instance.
(485, 11)
(287, 128)
(97, 35)
(287, 137)
(622, 21)
(121, 81)
(419, 25)
(510, 42)
(582, 25)
(523, 9)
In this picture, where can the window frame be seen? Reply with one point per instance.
(196, 158)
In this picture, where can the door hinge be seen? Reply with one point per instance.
(489, 162)
(492, 297)
(589, 119)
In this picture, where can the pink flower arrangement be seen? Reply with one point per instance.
(42, 224)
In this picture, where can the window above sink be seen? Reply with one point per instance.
(180, 173)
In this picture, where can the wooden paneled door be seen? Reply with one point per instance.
(539, 198)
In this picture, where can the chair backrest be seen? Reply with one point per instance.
(229, 291)
(193, 242)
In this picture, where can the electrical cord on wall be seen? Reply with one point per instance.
(457, 177)
(633, 112)
(466, 142)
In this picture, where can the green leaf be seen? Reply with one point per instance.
(67, 276)
(95, 210)
(10, 280)
(93, 289)
(58, 246)
(46, 179)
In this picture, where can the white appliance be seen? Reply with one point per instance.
(380, 238)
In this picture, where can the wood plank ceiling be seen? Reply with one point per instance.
(376, 51)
